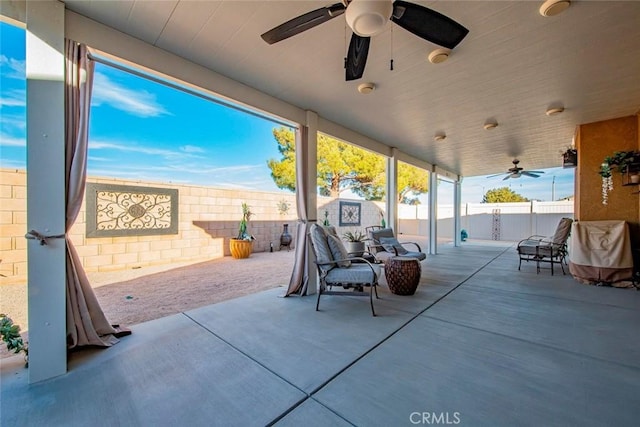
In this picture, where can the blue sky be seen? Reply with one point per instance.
(144, 130)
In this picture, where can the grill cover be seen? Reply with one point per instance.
(600, 251)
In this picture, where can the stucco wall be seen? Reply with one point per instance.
(594, 142)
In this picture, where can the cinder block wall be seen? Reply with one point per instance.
(13, 224)
(208, 218)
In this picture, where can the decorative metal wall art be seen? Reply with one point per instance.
(123, 210)
(349, 213)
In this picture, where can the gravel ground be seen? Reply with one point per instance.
(134, 296)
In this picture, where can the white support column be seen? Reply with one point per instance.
(433, 211)
(457, 202)
(311, 192)
(46, 189)
(392, 191)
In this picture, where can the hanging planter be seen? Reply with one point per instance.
(622, 161)
(570, 158)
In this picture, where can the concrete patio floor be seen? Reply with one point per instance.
(480, 343)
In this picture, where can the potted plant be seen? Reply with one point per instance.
(570, 158)
(242, 245)
(10, 334)
(623, 162)
(354, 242)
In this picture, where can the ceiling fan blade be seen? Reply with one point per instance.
(428, 24)
(535, 171)
(530, 173)
(357, 57)
(498, 174)
(506, 177)
(303, 23)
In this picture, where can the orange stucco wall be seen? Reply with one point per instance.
(594, 142)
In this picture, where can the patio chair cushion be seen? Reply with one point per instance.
(323, 253)
(391, 243)
(562, 231)
(357, 273)
(338, 251)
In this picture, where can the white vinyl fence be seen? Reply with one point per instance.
(489, 221)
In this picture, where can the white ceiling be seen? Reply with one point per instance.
(512, 66)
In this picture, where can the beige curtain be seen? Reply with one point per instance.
(86, 322)
(300, 278)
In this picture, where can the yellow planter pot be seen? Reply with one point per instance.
(240, 248)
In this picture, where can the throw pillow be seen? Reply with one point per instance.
(391, 244)
(330, 230)
(338, 251)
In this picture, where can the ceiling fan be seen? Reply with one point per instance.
(517, 172)
(369, 17)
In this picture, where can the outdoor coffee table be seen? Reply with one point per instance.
(403, 274)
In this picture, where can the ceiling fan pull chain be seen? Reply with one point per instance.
(345, 44)
(391, 60)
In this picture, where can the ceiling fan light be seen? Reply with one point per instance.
(368, 17)
(554, 7)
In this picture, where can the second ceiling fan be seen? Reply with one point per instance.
(369, 17)
(516, 172)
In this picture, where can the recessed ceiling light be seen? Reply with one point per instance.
(554, 7)
(439, 55)
(366, 88)
(440, 137)
(490, 125)
(554, 110)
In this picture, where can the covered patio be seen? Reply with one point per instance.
(480, 343)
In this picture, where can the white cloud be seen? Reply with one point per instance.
(136, 102)
(12, 141)
(13, 121)
(13, 164)
(131, 148)
(192, 149)
(16, 68)
(13, 98)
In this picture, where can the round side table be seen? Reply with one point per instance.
(403, 274)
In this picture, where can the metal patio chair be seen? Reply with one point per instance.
(546, 249)
(338, 270)
(383, 244)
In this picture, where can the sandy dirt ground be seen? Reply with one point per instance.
(135, 296)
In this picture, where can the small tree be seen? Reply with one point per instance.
(503, 195)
